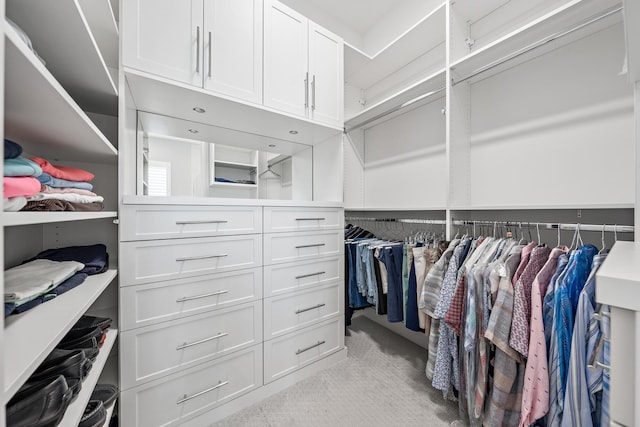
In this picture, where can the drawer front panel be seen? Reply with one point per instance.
(290, 352)
(152, 261)
(153, 351)
(289, 247)
(282, 219)
(284, 278)
(176, 398)
(153, 303)
(143, 222)
(287, 313)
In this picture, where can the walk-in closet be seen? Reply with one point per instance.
(320, 213)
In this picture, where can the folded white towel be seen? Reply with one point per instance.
(69, 197)
(27, 281)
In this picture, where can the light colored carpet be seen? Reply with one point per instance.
(381, 383)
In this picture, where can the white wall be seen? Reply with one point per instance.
(353, 146)
(328, 170)
(189, 177)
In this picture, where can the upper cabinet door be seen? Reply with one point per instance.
(165, 37)
(233, 48)
(326, 74)
(286, 79)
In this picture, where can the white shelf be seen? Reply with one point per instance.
(75, 411)
(430, 86)
(394, 209)
(40, 114)
(235, 165)
(233, 184)
(60, 33)
(36, 332)
(544, 207)
(557, 21)
(109, 414)
(26, 218)
(102, 22)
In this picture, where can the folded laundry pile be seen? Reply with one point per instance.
(45, 397)
(51, 273)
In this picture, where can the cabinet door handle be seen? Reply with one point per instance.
(306, 91)
(310, 274)
(198, 49)
(202, 221)
(191, 344)
(193, 258)
(319, 343)
(212, 294)
(310, 246)
(209, 54)
(185, 397)
(310, 219)
(302, 310)
(313, 93)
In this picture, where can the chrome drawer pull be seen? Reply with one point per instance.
(185, 398)
(310, 274)
(309, 308)
(185, 345)
(319, 343)
(193, 258)
(212, 294)
(310, 246)
(202, 221)
(310, 219)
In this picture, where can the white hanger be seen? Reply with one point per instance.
(269, 170)
(538, 230)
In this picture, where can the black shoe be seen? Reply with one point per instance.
(81, 338)
(92, 322)
(106, 393)
(74, 368)
(94, 415)
(40, 404)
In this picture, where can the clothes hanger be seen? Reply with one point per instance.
(604, 244)
(521, 241)
(538, 230)
(267, 171)
(558, 236)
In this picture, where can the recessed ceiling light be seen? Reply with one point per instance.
(293, 132)
(199, 110)
(193, 130)
(272, 145)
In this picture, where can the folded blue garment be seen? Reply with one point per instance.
(8, 308)
(11, 149)
(47, 179)
(21, 167)
(94, 257)
(72, 282)
(31, 304)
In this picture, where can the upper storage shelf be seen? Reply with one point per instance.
(478, 47)
(61, 34)
(40, 114)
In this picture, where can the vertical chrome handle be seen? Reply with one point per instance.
(209, 54)
(197, 49)
(185, 397)
(319, 343)
(306, 91)
(313, 93)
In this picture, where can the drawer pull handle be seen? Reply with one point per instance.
(309, 308)
(185, 398)
(310, 246)
(193, 258)
(310, 274)
(185, 345)
(212, 294)
(202, 221)
(310, 219)
(319, 343)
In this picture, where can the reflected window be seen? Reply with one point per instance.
(159, 178)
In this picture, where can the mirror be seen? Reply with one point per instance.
(182, 158)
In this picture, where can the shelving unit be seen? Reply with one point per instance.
(61, 35)
(234, 164)
(25, 218)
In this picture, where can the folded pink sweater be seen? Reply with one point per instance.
(14, 186)
(63, 172)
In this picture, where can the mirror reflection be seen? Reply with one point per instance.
(182, 158)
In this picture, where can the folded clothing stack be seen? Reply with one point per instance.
(19, 181)
(51, 273)
(44, 398)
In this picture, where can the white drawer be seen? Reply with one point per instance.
(153, 351)
(152, 303)
(288, 247)
(147, 222)
(283, 278)
(285, 354)
(150, 261)
(290, 312)
(176, 398)
(283, 219)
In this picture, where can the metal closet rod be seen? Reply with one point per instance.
(536, 45)
(552, 225)
(401, 220)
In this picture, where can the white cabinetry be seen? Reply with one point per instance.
(215, 44)
(303, 66)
